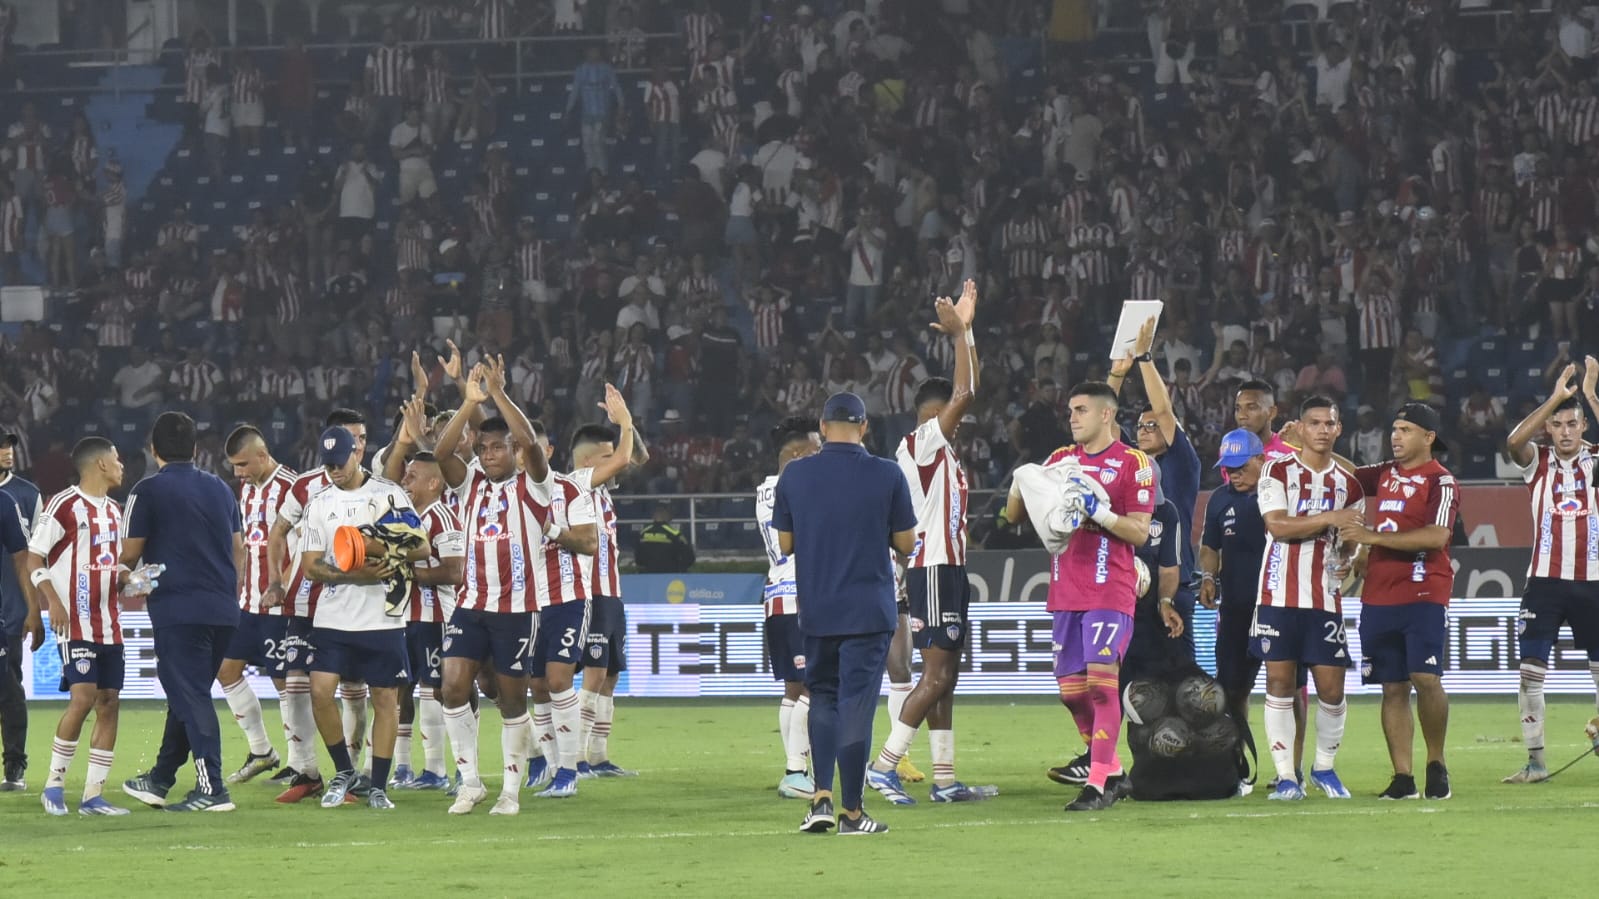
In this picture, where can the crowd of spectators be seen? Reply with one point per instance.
(1321, 197)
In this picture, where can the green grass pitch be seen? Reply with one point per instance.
(704, 819)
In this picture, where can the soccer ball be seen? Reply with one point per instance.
(1145, 700)
(1171, 738)
(1200, 698)
(1142, 572)
(1217, 737)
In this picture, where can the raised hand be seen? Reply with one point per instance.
(1146, 337)
(495, 375)
(615, 407)
(419, 375)
(477, 390)
(1566, 384)
(452, 365)
(949, 320)
(1121, 367)
(415, 423)
(966, 306)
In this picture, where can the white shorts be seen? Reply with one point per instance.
(416, 180)
(249, 115)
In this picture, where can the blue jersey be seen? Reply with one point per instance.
(1179, 480)
(13, 607)
(1160, 551)
(187, 519)
(1234, 528)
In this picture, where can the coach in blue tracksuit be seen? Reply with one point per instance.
(838, 513)
(187, 520)
(19, 617)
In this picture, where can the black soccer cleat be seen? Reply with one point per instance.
(860, 825)
(1073, 773)
(1403, 786)
(1119, 787)
(819, 819)
(285, 775)
(1091, 799)
(1437, 781)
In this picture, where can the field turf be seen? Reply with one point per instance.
(704, 819)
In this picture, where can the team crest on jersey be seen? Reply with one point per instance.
(1408, 490)
(1265, 644)
(290, 653)
(596, 650)
(1155, 529)
(83, 666)
(1107, 477)
(954, 631)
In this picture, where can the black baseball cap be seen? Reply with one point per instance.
(9, 437)
(1425, 417)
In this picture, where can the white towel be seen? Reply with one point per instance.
(1054, 506)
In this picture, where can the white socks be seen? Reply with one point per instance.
(943, 745)
(1593, 671)
(247, 711)
(1329, 732)
(587, 702)
(1280, 734)
(598, 746)
(895, 747)
(99, 769)
(515, 735)
(299, 724)
(567, 717)
(61, 753)
(543, 744)
(461, 725)
(785, 719)
(402, 746)
(897, 694)
(430, 720)
(797, 742)
(1530, 700)
(353, 711)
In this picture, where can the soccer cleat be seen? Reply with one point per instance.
(959, 792)
(361, 786)
(254, 766)
(301, 787)
(1245, 788)
(796, 786)
(378, 798)
(1403, 786)
(147, 791)
(285, 775)
(55, 802)
(200, 801)
(1437, 781)
(1119, 786)
(1530, 773)
(887, 783)
(907, 772)
(467, 798)
(584, 772)
(1327, 781)
(538, 772)
(819, 818)
(563, 786)
(99, 806)
(338, 789)
(1073, 773)
(1287, 790)
(1091, 799)
(611, 769)
(427, 780)
(455, 786)
(402, 777)
(506, 805)
(860, 825)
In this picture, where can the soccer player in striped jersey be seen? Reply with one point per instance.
(298, 596)
(432, 603)
(74, 550)
(935, 572)
(597, 460)
(1304, 499)
(1563, 574)
(262, 636)
(793, 438)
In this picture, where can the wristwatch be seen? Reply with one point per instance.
(1147, 357)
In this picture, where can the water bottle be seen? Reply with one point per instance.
(144, 579)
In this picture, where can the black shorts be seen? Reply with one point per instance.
(1398, 641)
(560, 635)
(1237, 669)
(101, 664)
(262, 641)
(785, 646)
(1546, 605)
(377, 658)
(605, 644)
(424, 649)
(504, 638)
(939, 595)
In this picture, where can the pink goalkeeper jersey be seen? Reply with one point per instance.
(1096, 570)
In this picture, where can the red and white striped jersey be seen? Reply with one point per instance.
(1023, 242)
(1542, 202)
(1146, 280)
(504, 524)
(698, 29)
(531, 257)
(435, 84)
(484, 216)
(12, 217)
(1565, 514)
(781, 597)
(194, 77)
(246, 86)
(663, 102)
(601, 572)
(387, 71)
(412, 240)
(1549, 112)
(494, 19)
(1583, 114)
(435, 604)
(85, 158)
(301, 595)
(1379, 318)
(768, 321)
(938, 493)
(196, 382)
(80, 539)
(1294, 573)
(899, 386)
(259, 507)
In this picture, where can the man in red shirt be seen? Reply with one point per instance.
(1403, 628)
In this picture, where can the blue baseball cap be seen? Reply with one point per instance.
(844, 406)
(1238, 447)
(336, 446)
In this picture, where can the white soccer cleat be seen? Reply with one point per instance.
(505, 805)
(1530, 773)
(468, 798)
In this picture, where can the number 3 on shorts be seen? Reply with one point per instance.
(569, 639)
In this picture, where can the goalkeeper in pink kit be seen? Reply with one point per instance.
(1092, 582)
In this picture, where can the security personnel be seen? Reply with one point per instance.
(662, 547)
(187, 520)
(19, 616)
(837, 513)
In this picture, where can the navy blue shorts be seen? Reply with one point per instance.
(1311, 637)
(938, 595)
(605, 644)
(1237, 668)
(375, 657)
(424, 650)
(785, 645)
(1546, 605)
(262, 641)
(1398, 641)
(296, 643)
(504, 638)
(560, 636)
(101, 665)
